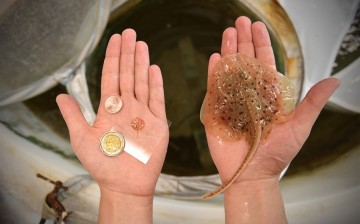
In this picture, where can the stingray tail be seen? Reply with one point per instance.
(241, 169)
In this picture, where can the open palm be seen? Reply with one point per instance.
(285, 140)
(126, 73)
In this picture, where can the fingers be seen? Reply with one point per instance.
(142, 63)
(251, 39)
(126, 67)
(71, 113)
(127, 60)
(228, 45)
(214, 58)
(244, 36)
(110, 72)
(262, 44)
(127, 71)
(308, 110)
(157, 98)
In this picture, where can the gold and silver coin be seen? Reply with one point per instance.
(113, 104)
(112, 143)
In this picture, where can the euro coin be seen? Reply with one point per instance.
(112, 143)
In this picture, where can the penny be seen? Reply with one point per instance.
(113, 104)
(112, 143)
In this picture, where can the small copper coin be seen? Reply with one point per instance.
(113, 104)
(112, 143)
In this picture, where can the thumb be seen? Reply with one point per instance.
(72, 114)
(310, 107)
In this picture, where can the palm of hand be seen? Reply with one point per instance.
(124, 168)
(273, 154)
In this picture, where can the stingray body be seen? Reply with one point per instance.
(245, 98)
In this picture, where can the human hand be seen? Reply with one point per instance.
(126, 73)
(284, 142)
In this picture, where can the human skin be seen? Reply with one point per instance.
(126, 184)
(255, 195)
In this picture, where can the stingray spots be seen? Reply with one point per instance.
(244, 93)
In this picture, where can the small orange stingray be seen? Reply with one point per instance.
(137, 124)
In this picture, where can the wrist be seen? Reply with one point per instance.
(118, 207)
(254, 201)
(239, 188)
(130, 199)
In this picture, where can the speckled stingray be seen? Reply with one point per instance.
(245, 99)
